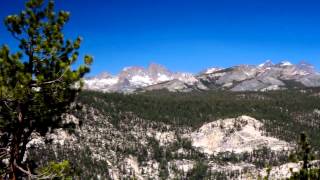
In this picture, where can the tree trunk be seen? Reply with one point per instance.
(15, 148)
(14, 155)
(24, 142)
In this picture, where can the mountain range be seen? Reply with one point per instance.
(264, 77)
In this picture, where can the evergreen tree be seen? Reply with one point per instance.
(199, 172)
(305, 154)
(38, 83)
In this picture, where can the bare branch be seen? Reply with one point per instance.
(41, 176)
(6, 104)
(24, 171)
(3, 155)
(59, 79)
(15, 36)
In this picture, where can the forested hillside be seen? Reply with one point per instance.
(285, 113)
(239, 122)
(162, 134)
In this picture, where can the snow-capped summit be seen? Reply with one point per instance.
(101, 81)
(186, 78)
(267, 63)
(134, 77)
(154, 68)
(103, 75)
(266, 76)
(212, 70)
(285, 63)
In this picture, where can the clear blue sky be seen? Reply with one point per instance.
(189, 35)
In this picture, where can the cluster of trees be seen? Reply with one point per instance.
(305, 154)
(284, 117)
(81, 163)
(259, 157)
(37, 84)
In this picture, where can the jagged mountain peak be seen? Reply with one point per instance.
(309, 68)
(132, 69)
(134, 77)
(211, 70)
(157, 67)
(304, 63)
(103, 75)
(285, 63)
(152, 68)
(266, 76)
(266, 64)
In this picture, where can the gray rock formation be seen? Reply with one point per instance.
(264, 77)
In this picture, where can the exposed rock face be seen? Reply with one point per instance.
(238, 135)
(211, 70)
(312, 80)
(283, 171)
(131, 148)
(264, 77)
(240, 73)
(132, 78)
(177, 85)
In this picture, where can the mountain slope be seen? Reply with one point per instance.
(141, 149)
(132, 78)
(166, 135)
(264, 77)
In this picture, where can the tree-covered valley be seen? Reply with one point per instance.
(59, 122)
(125, 135)
(285, 113)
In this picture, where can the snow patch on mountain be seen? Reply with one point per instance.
(133, 77)
(212, 70)
(267, 63)
(139, 80)
(285, 63)
(264, 77)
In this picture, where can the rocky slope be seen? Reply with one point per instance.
(238, 135)
(166, 135)
(144, 150)
(264, 77)
(132, 78)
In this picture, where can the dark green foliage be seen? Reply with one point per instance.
(268, 173)
(163, 171)
(123, 113)
(61, 170)
(283, 116)
(199, 172)
(38, 83)
(304, 153)
(259, 157)
(81, 162)
(285, 113)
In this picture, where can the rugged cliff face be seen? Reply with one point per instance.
(149, 136)
(238, 135)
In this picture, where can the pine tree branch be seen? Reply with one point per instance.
(40, 176)
(15, 36)
(59, 79)
(6, 104)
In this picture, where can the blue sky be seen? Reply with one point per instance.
(189, 35)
